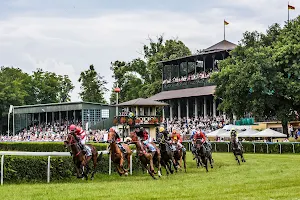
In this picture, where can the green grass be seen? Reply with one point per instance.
(263, 176)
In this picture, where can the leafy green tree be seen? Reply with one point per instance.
(49, 87)
(13, 89)
(262, 75)
(141, 77)
(92, 86)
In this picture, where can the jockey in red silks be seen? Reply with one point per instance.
(200, 135)
(81, 136)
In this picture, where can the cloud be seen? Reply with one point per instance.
(68, 45)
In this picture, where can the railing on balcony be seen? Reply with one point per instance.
(131, 121)
(187, 84)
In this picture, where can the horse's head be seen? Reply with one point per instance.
(134, 137)
(111, 136)
(198, 144)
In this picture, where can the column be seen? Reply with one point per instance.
(214, 108)
(196, 107)
(39, 119)
(46, 117)
(171, 110)
(187, 108)
(213, 62)
(179, 109)
(59, 113)
(52, 118)
(204, 57)
(204, 107)
(136, 111)
(163, 113)
(74, 116)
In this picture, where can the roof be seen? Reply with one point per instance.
(56, 104)
(189, 92)
(270, 133)
(142, 102)
(248, 133)
(223, 45)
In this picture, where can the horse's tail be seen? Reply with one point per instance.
(100, 157)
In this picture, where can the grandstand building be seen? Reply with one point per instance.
(186, 87)
(89, 115)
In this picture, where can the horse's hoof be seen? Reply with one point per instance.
(92, 179)
(83, 178)
(126, 173)
(211, 166)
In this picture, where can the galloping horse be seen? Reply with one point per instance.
(203, 154)
(117, 156)
(179, 156)
(80, 160)
(167, 155)
(152, 158)
(237, 149)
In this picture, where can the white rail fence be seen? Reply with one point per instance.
(49, 154)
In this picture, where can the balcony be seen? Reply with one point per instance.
(186, 84)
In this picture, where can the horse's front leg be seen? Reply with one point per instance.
(237, 159)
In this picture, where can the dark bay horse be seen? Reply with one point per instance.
(203, 155)
(151, 159)
(237, 149)
(117, 156)
(167, 155)
(80, 160)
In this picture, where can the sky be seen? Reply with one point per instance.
(66, 36)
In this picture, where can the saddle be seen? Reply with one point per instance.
(149, 146)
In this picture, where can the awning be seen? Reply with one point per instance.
(189, 92)
(142, 102)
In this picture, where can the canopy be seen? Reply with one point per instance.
(216, 133)
(248, 133)
(230, 126)
(270, 133)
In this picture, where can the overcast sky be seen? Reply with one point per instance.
(66, 36)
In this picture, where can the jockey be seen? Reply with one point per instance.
(200, 135)
(141, 133)
(176, 138)
(164, 132)
(234, 133)
(118, 139)
(81, 135)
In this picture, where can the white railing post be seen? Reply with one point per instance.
(2, 169)
(215, 147)
(228, 147)
(130, 164)
(253, 147)
(48, 169)
(109, 164)
(293, 147)
(279, 148)
(267, 148)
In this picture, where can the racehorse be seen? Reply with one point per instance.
(117, 156)
(152, 158)
(237, 149)
(167, 155)
(80, 160)
(203, 155)
(179, 156)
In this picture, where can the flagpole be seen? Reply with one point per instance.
(224, 28)
(288, 13)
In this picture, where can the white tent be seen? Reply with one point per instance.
(269, 133)
(248, 133)
(230, 126)
(216, 133)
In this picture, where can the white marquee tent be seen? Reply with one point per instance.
(269, 133)
(248, 133)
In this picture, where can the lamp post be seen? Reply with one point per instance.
(117, 91)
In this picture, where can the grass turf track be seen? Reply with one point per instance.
(263, 176)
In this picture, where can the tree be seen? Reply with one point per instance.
(141, 77)
(92, 86)
(49, 87)
(262, 75)
(13, 89)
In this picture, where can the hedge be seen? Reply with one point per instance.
(260, 147)
(41, 146)
(34, 169)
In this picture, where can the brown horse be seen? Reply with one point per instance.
(152, 158)
(179, 156)
(80, 160)
(117, 156)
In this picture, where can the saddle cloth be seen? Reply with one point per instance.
(150, 146)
